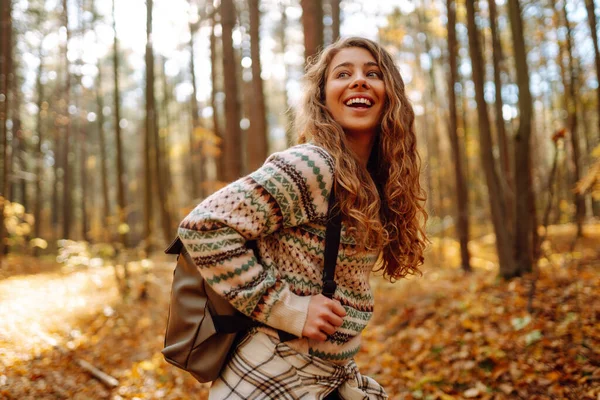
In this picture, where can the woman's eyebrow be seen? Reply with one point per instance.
(349, 64)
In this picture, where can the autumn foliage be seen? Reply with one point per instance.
(446, 335)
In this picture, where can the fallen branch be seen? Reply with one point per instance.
(103, 377)
(98, 374)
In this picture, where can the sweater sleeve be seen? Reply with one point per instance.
(290, 189)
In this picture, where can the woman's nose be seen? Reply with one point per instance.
(360, 81)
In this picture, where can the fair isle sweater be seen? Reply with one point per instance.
(283, 206)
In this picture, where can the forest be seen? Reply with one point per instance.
(118, 118)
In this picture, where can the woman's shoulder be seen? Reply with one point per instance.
(306, 158)
(299, 178)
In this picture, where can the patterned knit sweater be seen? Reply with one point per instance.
(283, 206)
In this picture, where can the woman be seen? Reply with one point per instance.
(356, 134)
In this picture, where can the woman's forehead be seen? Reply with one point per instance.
(352, 55)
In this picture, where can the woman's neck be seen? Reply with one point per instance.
(361, 145)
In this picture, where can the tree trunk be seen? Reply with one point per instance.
(232, 154)
(523, 224)
(213, 98)
(312, 22)
(335, 19)
(102, 144)
(257, 145)
(461, 186)
(497, 57)
(6, 75)
(164, 149)
(591, 13)
(150, 134)
(434, 136)
(571, 102)
(289, 112)
(39, 159)
(67, 192)
(497, 205)
(121, 208)
(195, 146)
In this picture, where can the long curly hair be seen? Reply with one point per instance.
(383, 204)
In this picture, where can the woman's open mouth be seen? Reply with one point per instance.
(359, 102)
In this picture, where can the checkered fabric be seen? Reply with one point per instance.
(263, 368)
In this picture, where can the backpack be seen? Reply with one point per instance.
(202, 326)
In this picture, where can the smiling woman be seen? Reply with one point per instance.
(357, 140)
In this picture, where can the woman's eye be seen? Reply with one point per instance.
(374, 74)
(343, 75)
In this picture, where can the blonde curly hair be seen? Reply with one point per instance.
(383, 205)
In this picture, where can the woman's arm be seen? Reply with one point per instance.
(290, 189)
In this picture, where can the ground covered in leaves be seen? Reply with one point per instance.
(444, 335)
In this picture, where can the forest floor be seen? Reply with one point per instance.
(444, 335)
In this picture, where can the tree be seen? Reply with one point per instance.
(196, 158)
(213, 94)
(231, 146)
(6, 76)
(591, 14)
(39, 159)
(312, 22)
(335, 19)
(571, 104)
(461, 187)
(282, 38)
(497, 204)
(523, 225)
(67, 191)
(121, 205)
(102, 139)
(257, 144)
(497, 58)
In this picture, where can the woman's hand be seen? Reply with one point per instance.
(324, 317)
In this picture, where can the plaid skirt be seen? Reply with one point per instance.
(261, 367)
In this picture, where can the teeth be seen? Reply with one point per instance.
(358, 100)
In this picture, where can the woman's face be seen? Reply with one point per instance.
(354, 91)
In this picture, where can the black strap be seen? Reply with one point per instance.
(233, 323)
(237, 323)
(332, 246)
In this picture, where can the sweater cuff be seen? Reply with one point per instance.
(289, 313)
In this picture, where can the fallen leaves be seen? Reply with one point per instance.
(469, 336)
(442, 336)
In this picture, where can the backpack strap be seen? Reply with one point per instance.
(235, 323)
(332, 246)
